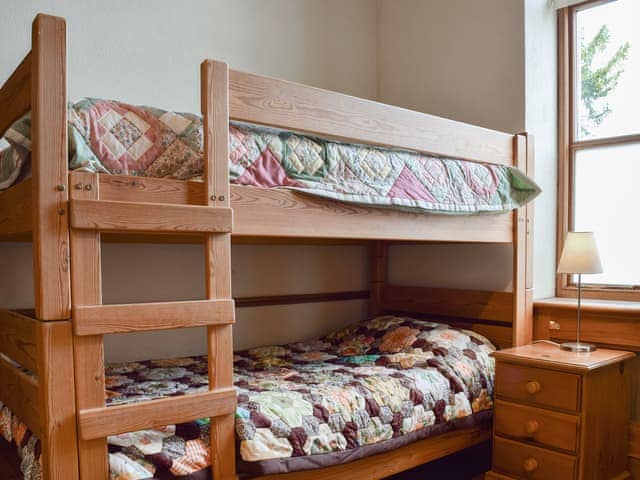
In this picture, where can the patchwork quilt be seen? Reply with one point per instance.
(116, 138)
(365, 389)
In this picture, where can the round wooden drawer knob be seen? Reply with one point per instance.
(531, 427)
(530, 465)
(533, 387)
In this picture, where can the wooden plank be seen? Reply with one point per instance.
(148, 217)
(15, 210)
(20, 393)
(247, 302)
(500, 335)
(57, 400)
(149, 190)
(395, 461)
(138, 317)
(86, 281)
(15, 95)
(378, 266)
(215, 110)
(49, 155)
(261, 212)
(18, 339)
(521, 320)
(612, 330)
(100, 422)
(471, 304)
(278, 212)
(279, 103)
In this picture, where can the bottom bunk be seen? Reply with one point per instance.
(366, 392)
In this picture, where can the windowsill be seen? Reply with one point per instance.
(589, 305)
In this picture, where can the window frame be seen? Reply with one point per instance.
(568, 145)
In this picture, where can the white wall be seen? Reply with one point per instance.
(460, 59)
(148, 52)
(541, 122)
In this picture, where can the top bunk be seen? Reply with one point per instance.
(259, 214)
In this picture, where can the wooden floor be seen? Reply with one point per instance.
(464, 466)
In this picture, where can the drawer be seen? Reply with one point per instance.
(533, 463)
(538, 386)
(553, 429)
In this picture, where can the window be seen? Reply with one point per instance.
(599, 141)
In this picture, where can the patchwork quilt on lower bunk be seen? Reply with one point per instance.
(369, 388)
(112, 137)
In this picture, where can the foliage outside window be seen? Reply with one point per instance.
(599, 140)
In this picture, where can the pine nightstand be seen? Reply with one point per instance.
(560, 415)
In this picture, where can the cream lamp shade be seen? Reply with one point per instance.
(580, 254)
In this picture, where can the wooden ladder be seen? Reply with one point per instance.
(89, 216)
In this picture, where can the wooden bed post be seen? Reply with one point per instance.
(215, 108)
(523, 249)
(378, 265)
(50, 168)
(86, 281)
(55, 368)
(57, 400)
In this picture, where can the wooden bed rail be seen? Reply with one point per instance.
(291, 106)
(15, 95)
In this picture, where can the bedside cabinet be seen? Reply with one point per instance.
(560, 415)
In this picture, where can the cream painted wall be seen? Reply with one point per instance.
(541, 121)
(460, 59)
(149, 53)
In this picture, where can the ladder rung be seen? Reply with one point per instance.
(137, 317)
(112, 216)
(102, 422)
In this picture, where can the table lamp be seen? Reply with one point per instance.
(579, 255)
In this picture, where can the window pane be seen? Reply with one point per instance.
(607, 202)
(607, 70)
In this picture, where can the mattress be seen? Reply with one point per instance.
(365, 389)
(116, 138)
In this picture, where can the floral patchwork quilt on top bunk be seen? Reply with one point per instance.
(366, 389)
(116, 138)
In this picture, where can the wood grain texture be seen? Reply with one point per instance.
(545, 355)
(16, 205)
(100, 422)
(544, 427)
(86, 283)
(15, 95)
(278, 212)
(605, 423)
(378, 273)
(548, 464)
(114, 216)
(20, 393)
(138, 317)
(394, 461)
(279, 103)
(248, 302)
(49, 156)
(471, 304)
(57, 399)
(215, 111)
(521, 312)
(18, 335)
(556, 389)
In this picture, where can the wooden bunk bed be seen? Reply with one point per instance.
(66, 215)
